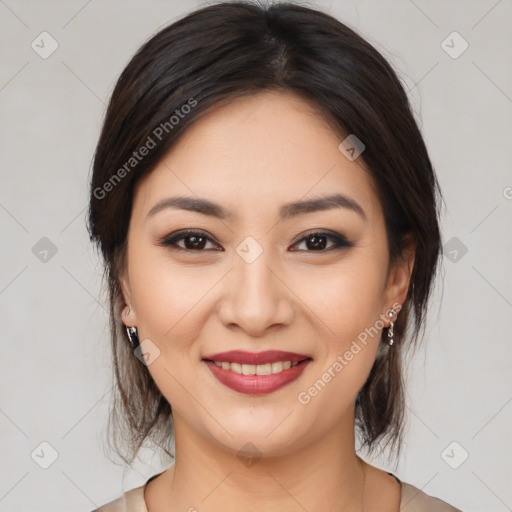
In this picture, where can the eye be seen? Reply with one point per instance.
(194, 241)
(316, 241)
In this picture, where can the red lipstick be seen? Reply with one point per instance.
(233, 376)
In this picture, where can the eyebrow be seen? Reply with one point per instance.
(211, 209)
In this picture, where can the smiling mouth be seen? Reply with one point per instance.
(257, 369)
(256, 373)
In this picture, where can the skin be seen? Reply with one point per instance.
(251, 156)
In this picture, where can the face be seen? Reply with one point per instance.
(262, 278)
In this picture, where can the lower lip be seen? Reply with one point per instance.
(257, 384)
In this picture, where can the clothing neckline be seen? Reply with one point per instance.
(158, 474)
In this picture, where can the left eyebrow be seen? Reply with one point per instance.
(209, 208)
(321, 204)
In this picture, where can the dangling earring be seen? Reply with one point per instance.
(391, 340)
(133, 336)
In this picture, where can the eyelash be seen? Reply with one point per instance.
(340, 242)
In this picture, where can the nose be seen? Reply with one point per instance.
(257, 298)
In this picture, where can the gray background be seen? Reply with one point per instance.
(54, 364)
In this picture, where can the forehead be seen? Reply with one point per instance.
(254, 154)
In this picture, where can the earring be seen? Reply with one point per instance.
(133, 336)
(391, 314)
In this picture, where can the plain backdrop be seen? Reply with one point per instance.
(55, 363)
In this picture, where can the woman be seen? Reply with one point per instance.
(268, 217)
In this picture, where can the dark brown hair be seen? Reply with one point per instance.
(232, 49)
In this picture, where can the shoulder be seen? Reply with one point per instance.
(415, 500)
(131, 501)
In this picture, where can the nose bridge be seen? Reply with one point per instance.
(257, 298)
(255, 286)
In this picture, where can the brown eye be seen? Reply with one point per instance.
(193, 241)
(317, 241)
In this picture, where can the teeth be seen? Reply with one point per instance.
(277, 367)
(248, 369)
(257, 369)
(264, 369)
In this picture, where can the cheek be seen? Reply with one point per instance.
(348, 299)
(171, 300)
(347, 304)
(172, 305)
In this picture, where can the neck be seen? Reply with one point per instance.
(325, 475)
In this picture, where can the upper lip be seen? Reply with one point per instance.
(244, 357)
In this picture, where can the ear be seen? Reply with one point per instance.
(399, 276)
(128, 314)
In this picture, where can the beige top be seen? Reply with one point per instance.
(412, 500)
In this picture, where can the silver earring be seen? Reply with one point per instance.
(133, 336)
(391, 340)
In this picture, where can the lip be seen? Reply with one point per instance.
(268, 356)
(257, 384)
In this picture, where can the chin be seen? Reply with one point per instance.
(257, 441)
